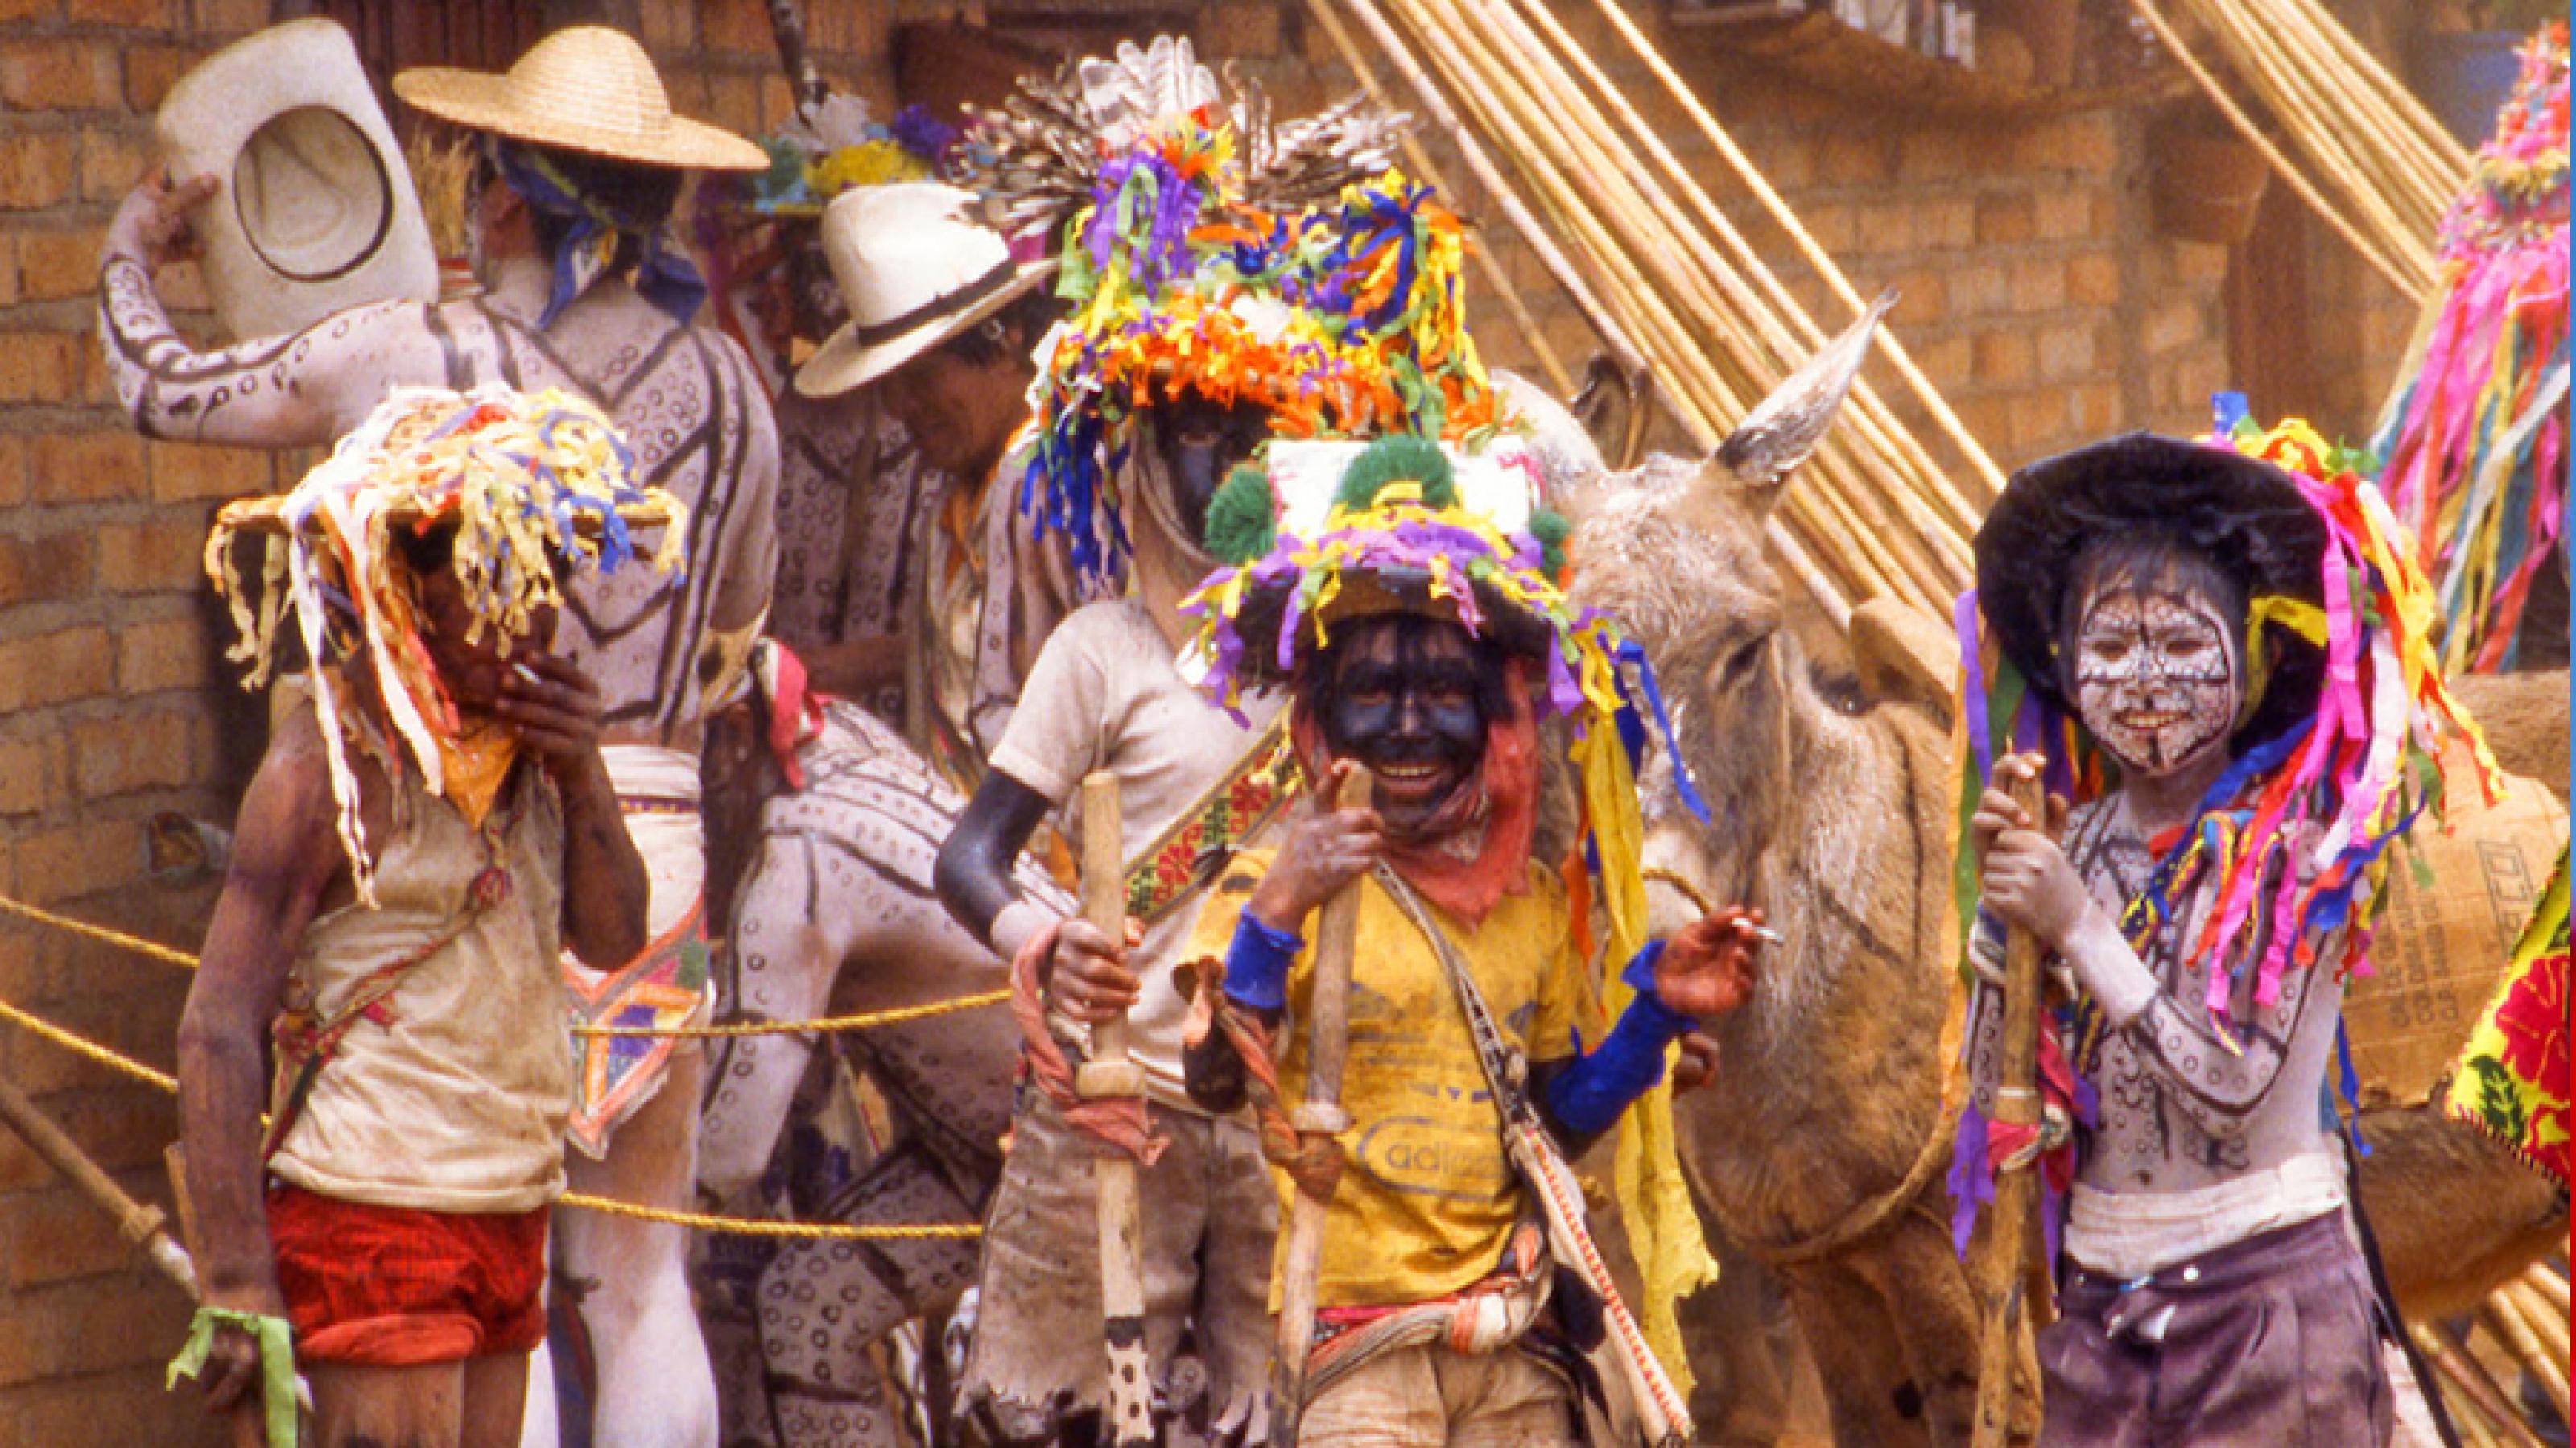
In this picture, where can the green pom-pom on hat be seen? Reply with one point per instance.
(1241, 524)
(1402, 459)
(1551, 529)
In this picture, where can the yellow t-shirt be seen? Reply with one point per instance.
(1428, 1199)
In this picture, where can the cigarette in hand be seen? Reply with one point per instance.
(524, 672)
(1765, 932)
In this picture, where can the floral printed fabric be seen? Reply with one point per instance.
(2512, 1079)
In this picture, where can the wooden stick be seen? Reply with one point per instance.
(1108, 1073)
(787, 27)
(1328, 1041)
(2479, 1391)
(2016, 1192)
(2548, 1321)
(139, 1224)
(2504, 1318)
(1420, 160)
(2552, 1286)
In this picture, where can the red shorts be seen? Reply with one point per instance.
(396, 1286)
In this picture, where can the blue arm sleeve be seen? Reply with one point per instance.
(1256, 964)
(1587, 1097)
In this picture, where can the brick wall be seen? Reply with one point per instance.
(2035, 298)
(109, 698)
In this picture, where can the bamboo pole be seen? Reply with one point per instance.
(2541, 1275)
(2504, 1318)
(1727, 310)
(2398, 276)
(1899, 552)
(1814, 254)
(1744, 259)
(2549, 1322)
(1420, 160)
(2479, 1390)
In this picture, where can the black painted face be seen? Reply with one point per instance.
(1200, 442)
(1408, 702)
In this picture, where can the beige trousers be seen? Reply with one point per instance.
(1431, 1397)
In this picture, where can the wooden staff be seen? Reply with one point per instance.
(1108, 1073)
(2016, 1192)
(1328, 1043)
(142, 1225)
(787, 27)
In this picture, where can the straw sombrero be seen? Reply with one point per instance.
(588, 89)
(316, 213)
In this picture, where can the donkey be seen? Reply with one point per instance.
(1821, 1148)
(826, 887)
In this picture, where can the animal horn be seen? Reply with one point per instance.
(1783, 429)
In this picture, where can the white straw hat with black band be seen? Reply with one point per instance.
(915, 268)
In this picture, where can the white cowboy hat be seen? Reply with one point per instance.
(915, 269)
(586, 88)
(316, 213)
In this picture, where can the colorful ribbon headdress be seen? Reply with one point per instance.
(1207, 249)
(523, 479)
(2472, 445)
(2293, 841)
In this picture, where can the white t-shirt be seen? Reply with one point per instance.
(1106, 693)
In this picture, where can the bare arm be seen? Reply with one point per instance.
(605, 887)
(286, 855)
(270, 392)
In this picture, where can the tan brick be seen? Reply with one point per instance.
(740, 25)
(154, 557)
(2005, 220)
(2064, 215)
(13, 470)
(1931, 155)
(1979, 290)
(1853, 160)
(2171, 326)
(127, 1128)
(1248, 30)
(36, 170)
(133, 14)
(736, 103)
(78, 860)
(30, 9)
(1884, 229)
(53, 264)
(2004, 359)
(1920, 300)
(184, 472)
(50, 668)
(44, 568)
(2097, 409)
(1832, 224)
(111, 163)
(150, 71)
(149, 751)
(56, 1235)
(59, 75)
(1946, 223)
(170, 653)
(2038, 420)
(671, 27)
(2065, 351)
(125, 1406)
(2199, 262)
(22, 791)
(232, 17)
(40, 366)
(1947, 361)
(2084, 143)
(2093, 280)
(84, 466)
(2038, 284)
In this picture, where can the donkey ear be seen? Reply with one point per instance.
(1783, 429)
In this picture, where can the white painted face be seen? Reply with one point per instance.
(2158, 679)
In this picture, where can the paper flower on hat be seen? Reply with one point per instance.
(1207, 250)
(838, 149)
(523, 479)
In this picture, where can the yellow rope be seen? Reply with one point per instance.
(135, 943)
(699, 1221)
(756, 1227)
(80, 1046)
(865, 1020)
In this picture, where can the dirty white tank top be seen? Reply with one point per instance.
(449, 1094)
